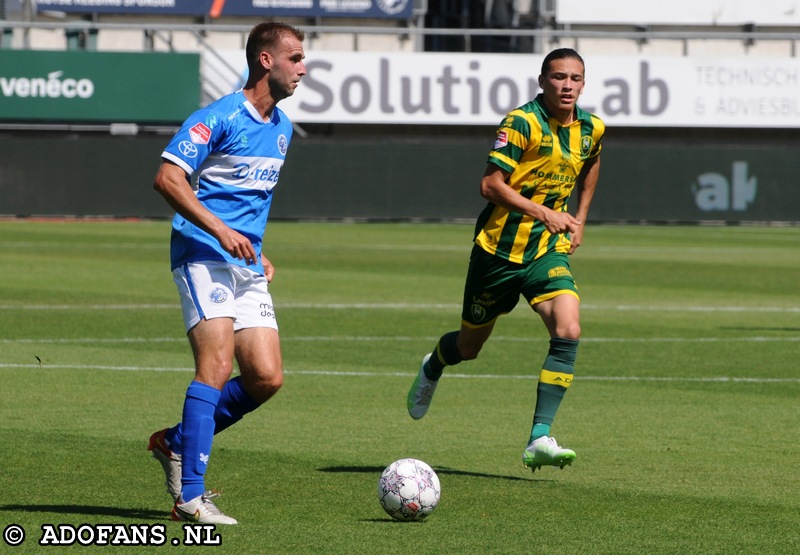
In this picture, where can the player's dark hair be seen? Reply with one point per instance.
(266, 36)
(560, 54)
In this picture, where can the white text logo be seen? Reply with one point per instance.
(713, 191)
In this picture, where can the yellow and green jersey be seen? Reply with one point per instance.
(544, 159)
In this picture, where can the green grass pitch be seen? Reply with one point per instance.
(684, 411)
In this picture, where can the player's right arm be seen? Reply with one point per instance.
(172, 183)
(495, 189)
(513, 138)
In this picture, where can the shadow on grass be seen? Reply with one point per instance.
(439, 470)
(390, 520)
(89, 510)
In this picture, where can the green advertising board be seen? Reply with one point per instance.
(78, 86)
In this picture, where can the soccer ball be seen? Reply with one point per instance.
(408, 490)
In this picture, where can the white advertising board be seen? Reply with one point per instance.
(676, 12)
(479, 89)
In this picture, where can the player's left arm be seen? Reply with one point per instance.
(587, 182)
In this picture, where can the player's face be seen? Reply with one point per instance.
(287, 67)
(562, 85)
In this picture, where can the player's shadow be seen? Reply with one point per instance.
(442, 470)
(89, 510)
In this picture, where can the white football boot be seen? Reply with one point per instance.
(201, 510)
(544, 451)
(421, 392)
(170, 462)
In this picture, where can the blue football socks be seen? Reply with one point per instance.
(197, 437)
(234, 403)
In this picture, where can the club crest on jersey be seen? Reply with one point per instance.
(501, 140)
(218, 295)
(283, 143)
(200, 133)
(586, 145)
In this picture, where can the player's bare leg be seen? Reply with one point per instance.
(258, 353)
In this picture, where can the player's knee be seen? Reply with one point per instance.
(569, 331)
(265, 385)
(214, 372)
(270, 384)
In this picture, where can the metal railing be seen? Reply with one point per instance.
(539, 38)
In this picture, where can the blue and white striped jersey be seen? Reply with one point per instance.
(234, 159)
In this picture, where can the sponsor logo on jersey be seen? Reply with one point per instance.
(188, 149)
(501, 140)
(557, 272)
(245, 173)
(283, 143)
(200, 133)
(211, 121)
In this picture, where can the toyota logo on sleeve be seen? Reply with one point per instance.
(188, 149)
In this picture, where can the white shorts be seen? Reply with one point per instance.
(213, 289)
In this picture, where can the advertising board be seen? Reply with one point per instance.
(470, 89)
(81, 86)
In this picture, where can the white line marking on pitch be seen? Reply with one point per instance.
(367, 339)
(88, 306)
(717, 379)
(405, 306)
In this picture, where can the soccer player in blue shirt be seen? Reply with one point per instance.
(218, 173)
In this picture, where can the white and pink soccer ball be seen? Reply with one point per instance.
(408, 490)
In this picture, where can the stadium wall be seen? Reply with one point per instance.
(423, 174)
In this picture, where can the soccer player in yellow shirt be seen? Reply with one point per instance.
(543, 151)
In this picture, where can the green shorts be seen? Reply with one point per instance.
(494, 284)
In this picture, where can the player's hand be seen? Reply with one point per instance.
(269, 269)
(560, 222)
(576, 238)
(238, 246)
